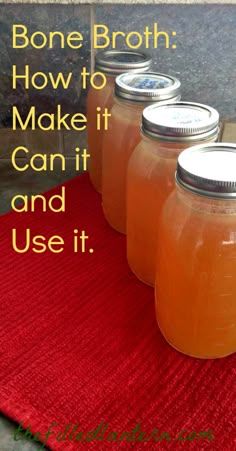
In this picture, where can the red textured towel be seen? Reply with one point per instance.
(80, 346)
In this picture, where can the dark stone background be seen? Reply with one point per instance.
(43, 18)
(205, 58)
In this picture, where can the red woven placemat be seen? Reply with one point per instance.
(80, 346)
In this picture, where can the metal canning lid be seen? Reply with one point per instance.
(114, 62)
(208, 170)
(147, 87)
(180, 121)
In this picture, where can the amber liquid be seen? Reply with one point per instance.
(103, 99)
(118, 144)
(195, 279)
(150, 180)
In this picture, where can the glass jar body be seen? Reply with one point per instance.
(102, 98)
(119, 142)
(195, 286)
(150, 180)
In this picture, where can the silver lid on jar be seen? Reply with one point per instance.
(180, 121)
(114, 62)
(147, 87)
(208, 170)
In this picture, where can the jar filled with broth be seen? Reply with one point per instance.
(196, 259)
(166, 131)
(110, 63)
(133, 92)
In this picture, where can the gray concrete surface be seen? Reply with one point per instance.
(147, 2)
(7, 442)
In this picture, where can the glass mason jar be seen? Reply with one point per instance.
(196, 259)
(111, 63)
(132, 93)
(166, 131)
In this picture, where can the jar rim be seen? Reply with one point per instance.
(115, 62)
(180, 121)
(208, 170)
(147, 87)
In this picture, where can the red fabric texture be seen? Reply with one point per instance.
(80, 345)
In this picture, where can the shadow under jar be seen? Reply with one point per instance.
(133, 92)
(166, 131)
(196, 261)
(110, 63)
